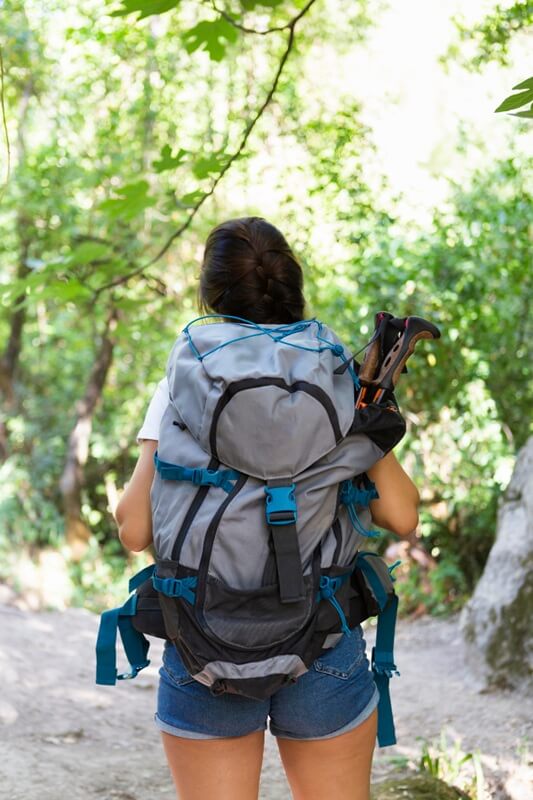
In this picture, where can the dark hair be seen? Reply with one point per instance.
(250, 271)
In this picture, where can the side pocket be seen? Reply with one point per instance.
(149, 618)
(174, 666)
(344, 658)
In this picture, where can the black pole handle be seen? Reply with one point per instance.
(416, 328)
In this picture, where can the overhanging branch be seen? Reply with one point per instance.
(251, 125)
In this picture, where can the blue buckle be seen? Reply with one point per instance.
(281, 505)
(382, 663)
(128, 676)
(207, 477)
(197, 476)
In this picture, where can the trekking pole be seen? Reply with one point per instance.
(416, 329)
(372, 355)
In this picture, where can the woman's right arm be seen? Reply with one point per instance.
(397, 506)
(133, 512)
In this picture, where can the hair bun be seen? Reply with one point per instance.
(250, 271)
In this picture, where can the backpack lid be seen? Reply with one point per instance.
(262, 399)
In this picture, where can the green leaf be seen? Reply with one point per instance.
(209, 164)
(167, 160)
(249, 5)
(146, 7)
(133, 199)
(65, 290)
(191, 199)
(525, 114)
(87, 252)
(527, 84)
(212, 36)
(516, 100)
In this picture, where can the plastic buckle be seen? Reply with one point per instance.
(171, 587)
(197, 476)
(128, 676)
(213, 477)
(383, 664)
(281, 505)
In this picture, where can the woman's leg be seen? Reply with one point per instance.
(338, 767)
(216, 769)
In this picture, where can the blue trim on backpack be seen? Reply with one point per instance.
(176, 587)
(373, 578)
(141, 577)
(200, 476)
(277, 334)
(328, 587)
(384, 668)
(136, 646)
(383, 665)
(280, 505)
(352, 496)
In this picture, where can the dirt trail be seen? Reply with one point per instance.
(62, 736)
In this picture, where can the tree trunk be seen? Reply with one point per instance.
(77, 533)
(10, 357)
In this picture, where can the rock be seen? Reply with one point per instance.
(417, 787)
(497, 623)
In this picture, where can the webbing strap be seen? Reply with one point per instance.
(384, 668)
(288, 562)
(281, 514)
(176, 587)
(373, 578)
(200, 476)
(136, 646)
(141, 577)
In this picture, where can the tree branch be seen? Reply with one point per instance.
(4, 122)
(139, 270)
(243, 28)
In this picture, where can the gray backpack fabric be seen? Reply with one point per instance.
(254, 448)
(260, 502)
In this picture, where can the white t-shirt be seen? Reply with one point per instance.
(154, 414)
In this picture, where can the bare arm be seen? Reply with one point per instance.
(133, 512)
(397, 506)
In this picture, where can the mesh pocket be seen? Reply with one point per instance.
(255, 617)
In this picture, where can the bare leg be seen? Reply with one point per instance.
(215, 769)
(338, 767)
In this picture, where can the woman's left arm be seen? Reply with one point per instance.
(133, 512)
(397, 506)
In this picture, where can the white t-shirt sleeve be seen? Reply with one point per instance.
(154, 414)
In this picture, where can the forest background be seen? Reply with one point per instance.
(366, 132)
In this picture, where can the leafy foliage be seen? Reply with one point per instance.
(211, 35)
(523, 98)
(117, 149)
(144, 8)
(493, 34)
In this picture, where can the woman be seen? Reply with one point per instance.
(325, 723)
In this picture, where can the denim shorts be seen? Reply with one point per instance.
(336, 694)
